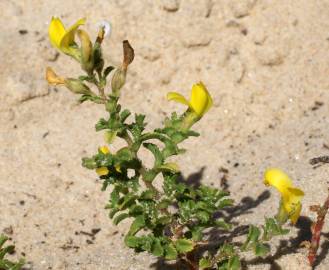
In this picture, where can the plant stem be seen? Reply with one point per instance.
(316, 231)
(127, 138)
(99, 87)
(190, 260)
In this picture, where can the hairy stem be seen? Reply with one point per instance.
(148, 184)
(316, 231)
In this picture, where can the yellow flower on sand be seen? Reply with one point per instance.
(291, 196)
(200, 101)
(63, 39)
(104, 170)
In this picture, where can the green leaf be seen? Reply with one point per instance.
(193, 133)
(157, 249)
(170, 149)
(252, 237)
(128, 200)
(125, 154)
(261, 249)
(137, 225)
(113, 211)
(149, 175)
(89, 163)
(184, 245)
(132, 241)
(115, 196)
(234, 263)
(163, 204)
(222, 224)
(87, 97)
(170, 252)
(4, 251)
(170, 167)
(85, 78)
(156, 152)
(164, 220)
(204, 263)
(135, 210)
(101, 124)
(203, 216)
(225, 202)
(119, 218)
(273, 228)
(147, 243)
(124, 115)
(178, 137)
(5, 264)
(139, 119)
(3, 240)
(197, 233)
(147, 195)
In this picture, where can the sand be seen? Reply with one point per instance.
(266, 65)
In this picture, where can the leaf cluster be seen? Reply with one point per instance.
(6, 264)
(168, 221)
(257, 238)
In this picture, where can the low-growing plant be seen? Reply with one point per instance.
(6, 264)
(170, 220)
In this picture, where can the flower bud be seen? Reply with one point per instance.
(118, 80)
(86, 51)
(98, 58)
(109, 136)
(104, 30)
(128, 54)
(77, 87)
(53, 78)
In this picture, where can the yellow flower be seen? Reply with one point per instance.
(200, 101)
(104, 149)
(102, 171)
(291, 196)
(63, 39)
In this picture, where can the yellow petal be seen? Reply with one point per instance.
(117, 168)
(53, 78)
(56, 32)
(292, 198)
(296, 192)
(278, 179)
(104, 149)
(68, 39)
(102, 171)
(210, 101)
(201, 100)
(178, 98)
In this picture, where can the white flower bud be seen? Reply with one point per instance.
(106, 26)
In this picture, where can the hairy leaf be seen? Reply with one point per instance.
(184, 245)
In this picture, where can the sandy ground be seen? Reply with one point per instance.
(266, 64)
